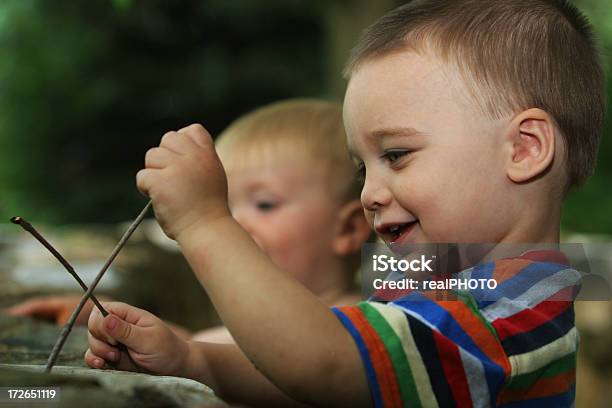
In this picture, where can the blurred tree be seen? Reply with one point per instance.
(589, 209)
(87, 87)
(344, 22)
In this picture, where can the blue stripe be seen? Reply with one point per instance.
(483, 271)
(445, 323)
(365, 357)
(529, 276)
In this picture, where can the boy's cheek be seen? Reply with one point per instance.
(369, 216)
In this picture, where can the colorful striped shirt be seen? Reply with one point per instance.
(514, 346)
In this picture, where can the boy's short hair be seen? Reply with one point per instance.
(304, 126)
(513, 55)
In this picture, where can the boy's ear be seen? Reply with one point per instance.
(532, 141)
(352, 229)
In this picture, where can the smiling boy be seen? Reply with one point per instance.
(469, 121)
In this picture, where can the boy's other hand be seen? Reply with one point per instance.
(151, 345)
(55, 308)
(185, 180)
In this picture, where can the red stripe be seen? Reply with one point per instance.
(546, 255)
(383, 366)
(389, 295)
(478, 332)
(529, 319)
(453, 370)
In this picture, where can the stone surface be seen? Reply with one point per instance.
(149, 272)
(96, 388)
(28, 341)
(145, 274)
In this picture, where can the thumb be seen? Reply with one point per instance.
(126, 333)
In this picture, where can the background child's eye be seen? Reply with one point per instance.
(265, 205)
(360, 173)
(395, 155)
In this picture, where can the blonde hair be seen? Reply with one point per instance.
(306, 126)
(513, 55)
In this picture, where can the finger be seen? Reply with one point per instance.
(159, 157)
(96, 328)
(93, 361)
(134, 337)
(176, 142)
(125, 324)
(103, 349)
(198, 134)
(144, 180)
(130, 314)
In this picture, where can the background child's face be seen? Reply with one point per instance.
(281, 199)
(434, 164)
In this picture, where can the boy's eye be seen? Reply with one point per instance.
(395, 155)
(265, 205)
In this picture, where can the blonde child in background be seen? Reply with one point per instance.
(292, 188)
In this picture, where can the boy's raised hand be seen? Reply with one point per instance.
(185, 180)
(151, 344)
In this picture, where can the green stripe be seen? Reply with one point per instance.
(469, 300)
(562, 365)
(393, 344)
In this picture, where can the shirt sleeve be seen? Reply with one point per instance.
(421, 352)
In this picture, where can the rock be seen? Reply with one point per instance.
(108, 388)
(144, 275)
(148, 273)
(28, 341)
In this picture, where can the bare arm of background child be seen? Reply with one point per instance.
(218, 334)
(59, 309)
(53, 308)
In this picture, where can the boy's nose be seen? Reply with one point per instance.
(374, 194)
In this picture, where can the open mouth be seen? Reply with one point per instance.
(399, 232)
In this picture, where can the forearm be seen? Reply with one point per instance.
(273, 318)
(232, 376)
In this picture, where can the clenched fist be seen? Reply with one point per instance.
(185, 180)
(150, 343)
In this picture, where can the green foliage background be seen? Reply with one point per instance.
(86, 87)
(590, 208)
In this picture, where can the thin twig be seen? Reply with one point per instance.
(68, 327)
(28, 227)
